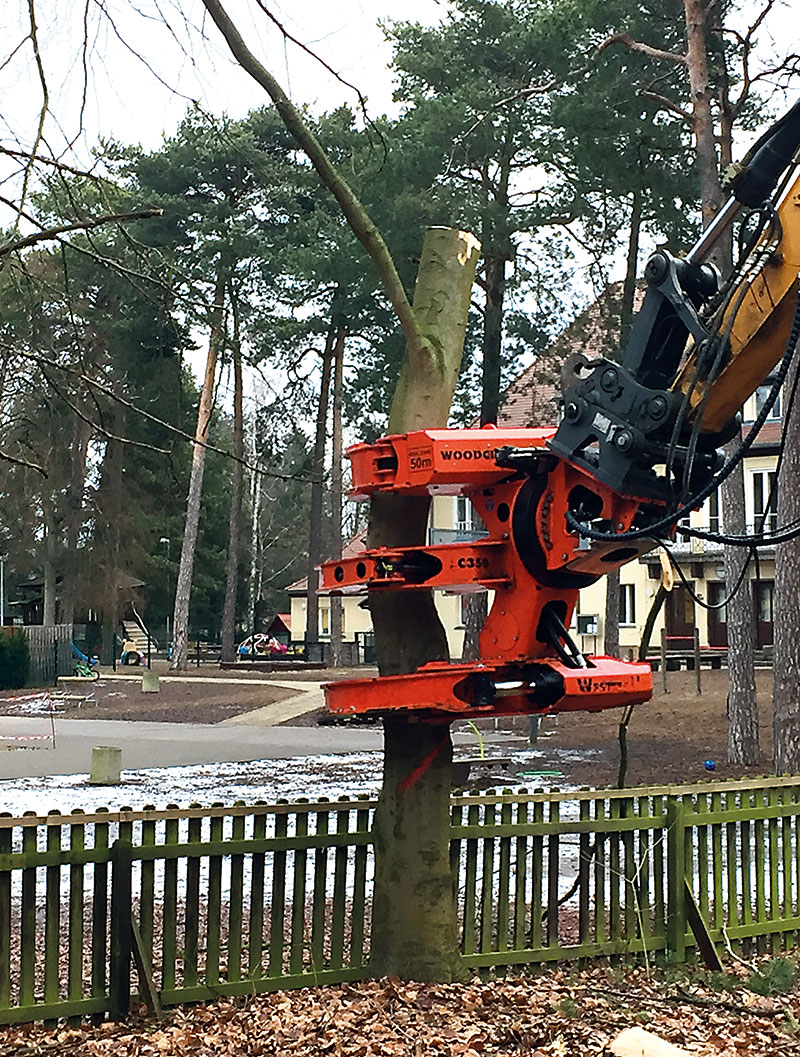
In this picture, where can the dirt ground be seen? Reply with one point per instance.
(210, 697)
(670, 737)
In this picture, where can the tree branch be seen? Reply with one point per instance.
(22, 462)
(34, 38)
(356, 215)
(667, 104)
(645, 49)
(80, 225)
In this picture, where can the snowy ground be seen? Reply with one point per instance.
(311, 777)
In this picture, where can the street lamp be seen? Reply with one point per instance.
(165, 539)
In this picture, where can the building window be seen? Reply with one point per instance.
(467, 517)
(765, 500)
(325, 622)
(762, 395)
(627, 604)
(764, 597)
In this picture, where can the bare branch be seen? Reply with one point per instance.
(667, 104)
(40, 159)
(645, 49)
(4, 455)
(356, 215)
(47, 234)
(362, 102)
(34, 38)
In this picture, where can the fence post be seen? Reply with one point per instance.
(119, 975)
(697, 660)
(676, 867)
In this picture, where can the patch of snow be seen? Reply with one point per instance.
(299, 777)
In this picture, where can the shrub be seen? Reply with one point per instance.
(14, 660)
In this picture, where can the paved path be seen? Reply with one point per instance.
(307, 696)
(165, 744)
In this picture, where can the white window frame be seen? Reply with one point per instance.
(758, 493)
(627, 605)
(776, 411)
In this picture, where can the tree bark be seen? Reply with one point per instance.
(696, 15)
(786, 688)
(254, 591)
(611, 623)
(49, 563)
(73, 518)
(611, 618)
(742, 707)
(631, 270)
(743, 746)
(495, 275)
(317, 490)
(337, 614)
(477, 609)
(414, 929)
(228, 631)
(183, 587)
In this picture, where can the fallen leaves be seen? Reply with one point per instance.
(557, 1013)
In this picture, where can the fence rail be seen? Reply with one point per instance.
(245, 898)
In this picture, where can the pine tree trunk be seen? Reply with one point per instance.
(742, 708)
(317, 490)
(696, 14)
(228, 631)
(414, 927)
(477, 609)
(631, 270)
(336, 496)
(254, 589)
(495, 276)
(786, 674)
(611, 623)
(74, 518)
(611, 617)
(743, 746)
(183, 587)
(49, 564)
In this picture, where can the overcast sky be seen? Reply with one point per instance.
(147, 60)
(141, 74)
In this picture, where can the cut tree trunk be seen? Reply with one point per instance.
(228, 631)
(183, 588)
(414, 925)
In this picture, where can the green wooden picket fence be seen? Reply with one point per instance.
(233, 900)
